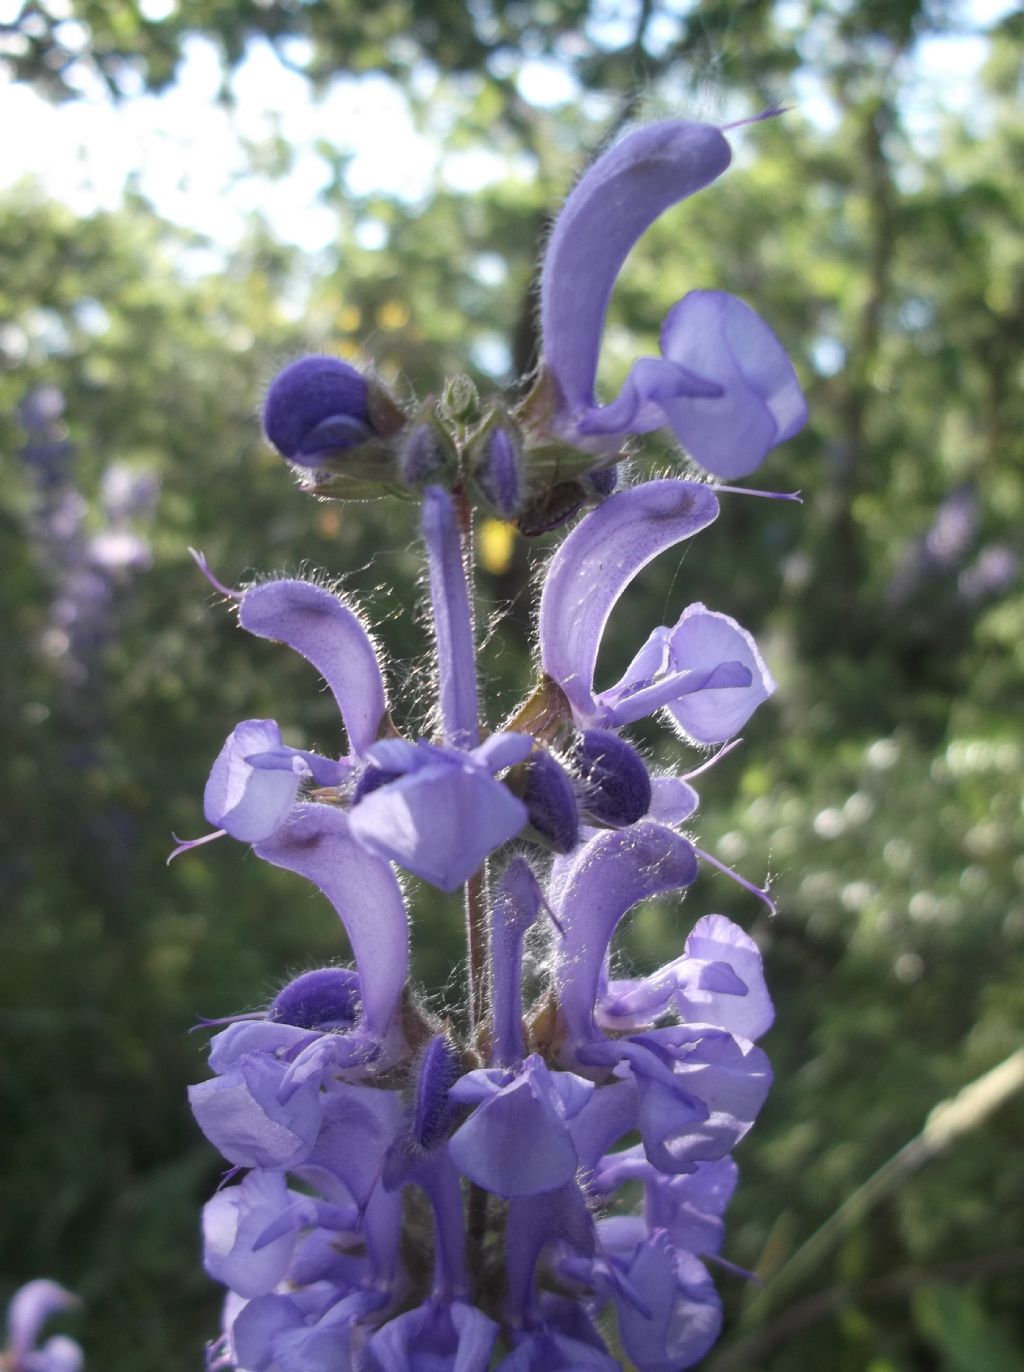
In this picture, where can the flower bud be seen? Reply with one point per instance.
(316, 406)
(427, 456)
(372, 778)
(616, 783)
(460, 399)
(550, 801)
(439, 1071)
(326, 417)
(603, 482)
(496, 464)
(327, 998)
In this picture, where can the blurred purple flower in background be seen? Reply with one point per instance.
(30, 1308)
(89, 551)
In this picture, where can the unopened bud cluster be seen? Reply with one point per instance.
(350, 439)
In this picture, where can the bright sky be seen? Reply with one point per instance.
(187, 152)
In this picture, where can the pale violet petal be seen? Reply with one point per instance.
(330, 635)
(594, 566)
(318, 845)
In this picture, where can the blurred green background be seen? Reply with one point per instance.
(877, 227)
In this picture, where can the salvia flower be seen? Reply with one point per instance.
(723, 383)
(30, 1308)
(417, 1191)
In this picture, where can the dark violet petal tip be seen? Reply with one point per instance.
(371, 779)
(326, 998)
(616, 786)
(316, 404)
(604, 482)
(440, 1069)
(550, 802)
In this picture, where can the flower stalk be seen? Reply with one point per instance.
(423, 1192)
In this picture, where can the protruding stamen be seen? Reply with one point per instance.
(713, 759)
(204, 567)
(184, 844)
(772, 112)
(795, 496)
(759, 891)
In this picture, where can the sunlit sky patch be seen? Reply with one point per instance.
(187, 153)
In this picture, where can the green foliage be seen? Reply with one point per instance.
(881, 788)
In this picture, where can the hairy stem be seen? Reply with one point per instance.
(476, 947)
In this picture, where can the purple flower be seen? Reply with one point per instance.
(706, 671)
(435, 809)
(437, 1334)
(29, 1310)
(321, 1269)
(417, 1189)
(441, 811)
(723, 383)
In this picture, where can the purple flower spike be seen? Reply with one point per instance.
(453, 622)
(316, 406)
(528, 1183)
(317, 845)
(30, 1308)
(596, 563)
(323, 629)
(615, 201)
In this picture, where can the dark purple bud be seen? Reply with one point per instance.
(616, 783)
(440, 1069)
(603, 482)
(427, 456)
(327, 998)
(498, 471)
(372, 778)
(316, 406)
(550, 802)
